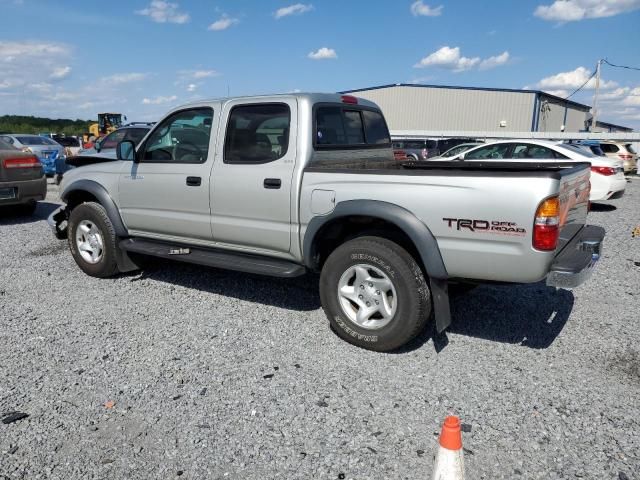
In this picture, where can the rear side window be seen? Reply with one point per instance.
(257, 133)
(609, 147)
(629, 148)
(348, 127)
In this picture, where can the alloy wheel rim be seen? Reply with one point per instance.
(89, 241)
(367, 296)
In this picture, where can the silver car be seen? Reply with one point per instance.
(50, 153)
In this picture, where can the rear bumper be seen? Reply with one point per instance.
(24, 191)
(575, 263)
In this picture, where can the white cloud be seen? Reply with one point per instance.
(418, 8)
(223, 23)
(197, 74)
(451, 59)
(297, 9)
(160, 100)
(11, 51)
(60, 72)
(558, 93)
(164, 12)
(495, 61)
(573, 80)
(192, 87)
(633, 98)
(323, 53)
(576, 10)
(122, 78)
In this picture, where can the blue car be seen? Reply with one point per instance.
(50, 153)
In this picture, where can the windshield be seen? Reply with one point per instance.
(36, 141)
(577, 149)
(459, 149)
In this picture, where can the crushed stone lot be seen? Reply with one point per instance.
(186, 372)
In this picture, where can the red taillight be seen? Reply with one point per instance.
(349, 99)
(25, 162)
(604, 170)
(399, 155)
(546, 227)
(625, 156)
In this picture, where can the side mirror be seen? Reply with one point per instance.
(126, 150)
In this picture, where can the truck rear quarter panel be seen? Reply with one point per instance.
(482, 222)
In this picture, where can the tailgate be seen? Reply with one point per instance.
(574, 204)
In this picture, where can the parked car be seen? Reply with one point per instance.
(607, 176)
(463, 147)
(106, 146)
(282, 184)
(623, 151)
(72, 145)
(424, 149)
(49, 152)
(22, 180)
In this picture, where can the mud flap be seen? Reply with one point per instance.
(441, 309)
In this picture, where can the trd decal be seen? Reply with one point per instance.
(483, 226)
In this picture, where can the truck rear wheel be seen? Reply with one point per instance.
(374, 294)
(92, 240)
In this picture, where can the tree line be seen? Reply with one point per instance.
(35, 125)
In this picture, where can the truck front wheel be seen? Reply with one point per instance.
(92, 240)
(374, 294)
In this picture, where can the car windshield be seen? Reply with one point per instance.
(36, 140)
(459, 149)
(6, 146)
(577, 149)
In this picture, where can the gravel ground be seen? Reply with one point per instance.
(189, 372)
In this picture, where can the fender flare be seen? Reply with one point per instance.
(418, 232)
(98, 191)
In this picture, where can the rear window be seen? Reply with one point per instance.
(348, 127)
(629, 148)
(6, 146)
(36, 141)
(609, 147)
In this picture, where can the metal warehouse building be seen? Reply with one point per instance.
(437, 108)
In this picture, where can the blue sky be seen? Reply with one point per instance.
(74, 58)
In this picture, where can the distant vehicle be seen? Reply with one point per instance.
(463, 147)
(106, 146)
(425, 149)
(72, 145)
(107, 123)
(50, 153)
(590, 146)
(623, 151)
(22, 181)
(607, 176)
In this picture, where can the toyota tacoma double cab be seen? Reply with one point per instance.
(284, 184)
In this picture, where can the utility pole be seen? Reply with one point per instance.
(594, 117)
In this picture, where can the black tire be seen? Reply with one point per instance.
(413, 295)
(95, 214)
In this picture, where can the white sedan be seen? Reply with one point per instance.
(607, 174)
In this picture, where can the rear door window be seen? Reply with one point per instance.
(257, 133)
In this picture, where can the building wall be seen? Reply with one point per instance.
(552, 116)
(424, 108)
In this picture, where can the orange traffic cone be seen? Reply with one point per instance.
(449, 464)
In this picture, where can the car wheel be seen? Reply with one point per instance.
(374, 294)
(92, 240)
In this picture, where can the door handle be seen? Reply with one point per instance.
(194, 181)
(272, 183)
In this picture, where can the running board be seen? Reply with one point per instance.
(218, 258)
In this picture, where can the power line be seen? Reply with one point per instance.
(582, 86)
(619, 66)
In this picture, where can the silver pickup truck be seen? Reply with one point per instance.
(284, 184)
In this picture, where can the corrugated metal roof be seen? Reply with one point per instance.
(582, 106)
